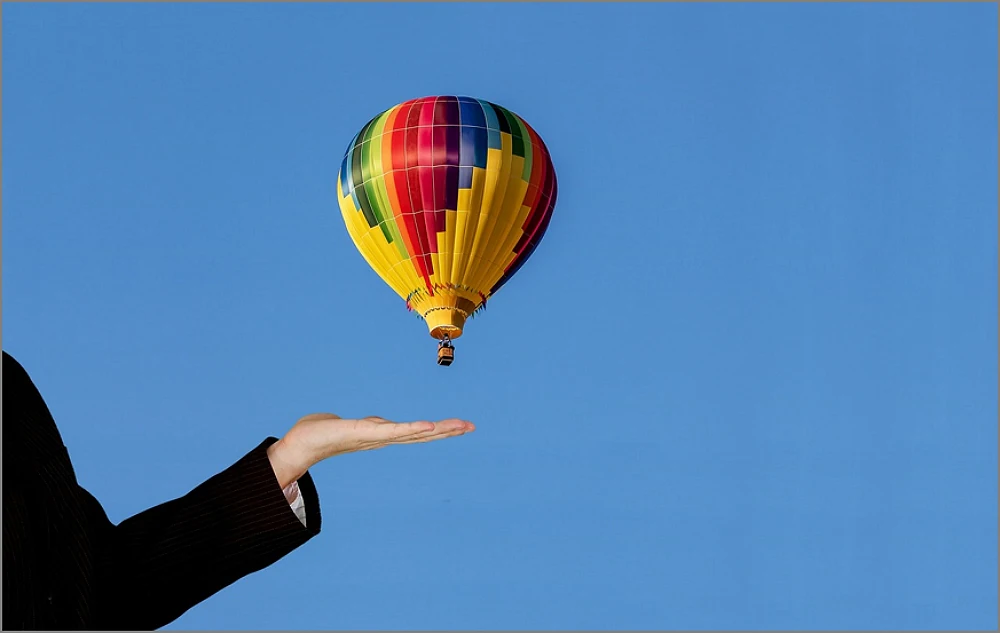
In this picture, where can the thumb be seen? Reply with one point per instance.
(319, 416)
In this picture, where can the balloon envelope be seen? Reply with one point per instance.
(446, 198)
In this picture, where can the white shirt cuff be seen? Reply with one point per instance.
(296, 501)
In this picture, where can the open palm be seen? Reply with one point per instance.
(319, 436)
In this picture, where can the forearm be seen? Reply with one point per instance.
(167, 559)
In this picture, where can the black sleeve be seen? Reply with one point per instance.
(66, 565)
(161, 562)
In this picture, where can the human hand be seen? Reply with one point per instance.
(322, 435)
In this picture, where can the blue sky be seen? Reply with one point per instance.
(761, 387)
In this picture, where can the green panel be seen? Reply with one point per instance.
(528, 153)
(517, 146)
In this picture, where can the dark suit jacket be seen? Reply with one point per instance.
(67, 567)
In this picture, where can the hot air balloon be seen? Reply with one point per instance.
(446, 198)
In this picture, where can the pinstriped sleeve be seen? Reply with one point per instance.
(161, 562)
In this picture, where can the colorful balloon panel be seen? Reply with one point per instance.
(446, 198)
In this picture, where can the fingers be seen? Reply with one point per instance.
(441, 430)
(397, 432)
(388, 430)
(432, 438)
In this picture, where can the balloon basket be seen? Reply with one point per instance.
(446, 355)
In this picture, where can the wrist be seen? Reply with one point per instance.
(287, 464)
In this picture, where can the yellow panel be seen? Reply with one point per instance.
(474, 206)
(506, 251)
(436, 265)
(392, 257)
(500, 259)
(373, 249)
(497, 172)
(383, 261)
(461, 222)
(408, 270)
(515, 189)
(372, 241)
(357, 242)
(446, 240)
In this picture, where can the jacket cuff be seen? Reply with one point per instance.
(307, 490)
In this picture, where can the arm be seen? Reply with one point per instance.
(150, 569)
(161, 562)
